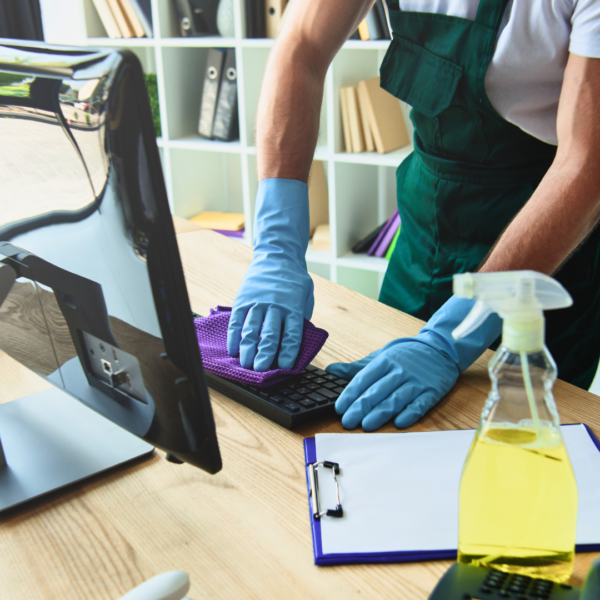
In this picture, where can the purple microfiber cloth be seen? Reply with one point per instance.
(212, 339)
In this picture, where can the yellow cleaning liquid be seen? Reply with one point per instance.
(518, 502)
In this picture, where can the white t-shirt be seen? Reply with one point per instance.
(525, 75)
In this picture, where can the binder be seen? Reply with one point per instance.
(385, 116)
(382, 19)
(346, 119)
(225, 126)
(132, 18)
(121, 19)
(385, 242)
(373, 25)
(107, 18)
(318, 197)
(365, 243)
(382, 233)
(364, 117)
(273, 14)
(143, 9)
(255, 18)
(356, 132)
(210, 90)
(197, 18)
(393, 497)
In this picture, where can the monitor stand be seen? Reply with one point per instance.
(49, 440)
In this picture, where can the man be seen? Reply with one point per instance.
(506, 108)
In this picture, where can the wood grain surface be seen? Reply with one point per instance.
(243, 533)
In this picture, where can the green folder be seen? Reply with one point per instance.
(388, 254)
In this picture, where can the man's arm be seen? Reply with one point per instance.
(566, 205)
(292, 89)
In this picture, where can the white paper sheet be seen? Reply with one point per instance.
(399, 491)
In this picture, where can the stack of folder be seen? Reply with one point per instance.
(125, 18)
(219, 105)
(375, 25)
(382, 240)
(372, 118)
(229, 224)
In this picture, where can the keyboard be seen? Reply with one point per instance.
(295, 401)
(298, 400)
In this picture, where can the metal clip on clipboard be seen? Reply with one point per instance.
(314, 490)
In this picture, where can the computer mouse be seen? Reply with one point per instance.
(172, 585)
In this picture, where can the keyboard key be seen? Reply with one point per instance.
(330, 385)
(253, 389)
(318, 398)
(305, 380)
(307, 403)
(264, 394)
(310, 368)
(342, 382)
(293, 385)
(313, 386)
(296, 397)
(330, 377)
(329, 394)
(287, 392)
(277, 399)
(308, 375)
(338, 390)
(292, 407)
(321, 373)
(303, 390)
(320, 380)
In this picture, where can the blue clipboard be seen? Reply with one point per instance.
(322, 559)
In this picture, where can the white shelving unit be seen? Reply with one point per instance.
(208, 175)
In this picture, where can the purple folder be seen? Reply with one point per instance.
(381, 235)
(388, 237)
(237, 234)
(321, 559)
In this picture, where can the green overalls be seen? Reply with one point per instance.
(470, 173)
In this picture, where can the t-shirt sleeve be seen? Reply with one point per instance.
(585, 32)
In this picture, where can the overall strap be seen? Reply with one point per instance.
(490, 13)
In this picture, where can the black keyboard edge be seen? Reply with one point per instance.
(261, 406)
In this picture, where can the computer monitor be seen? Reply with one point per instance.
(92, 292)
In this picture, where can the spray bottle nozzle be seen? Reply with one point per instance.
(519, 297)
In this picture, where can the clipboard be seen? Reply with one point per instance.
(325, 485)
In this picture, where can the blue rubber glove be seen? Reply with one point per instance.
(276, 294)
(406, 377)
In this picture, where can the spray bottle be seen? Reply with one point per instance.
(518, 495)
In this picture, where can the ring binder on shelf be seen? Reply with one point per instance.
(210, 91)
(313, 469)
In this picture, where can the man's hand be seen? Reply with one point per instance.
(408, 376)
(276, 294)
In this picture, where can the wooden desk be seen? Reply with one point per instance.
(243, 533)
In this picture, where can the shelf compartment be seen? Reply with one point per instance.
(183, 73)
(205, 180)
(367, 283)
(365, 197)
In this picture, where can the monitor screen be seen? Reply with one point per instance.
(92, 291)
